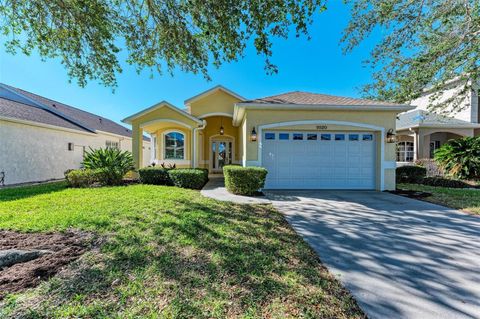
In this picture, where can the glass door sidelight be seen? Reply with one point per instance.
(221, 154)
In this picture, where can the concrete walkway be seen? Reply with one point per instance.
(401, 258)
(215, 188)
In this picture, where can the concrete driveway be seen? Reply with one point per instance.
(401, 258)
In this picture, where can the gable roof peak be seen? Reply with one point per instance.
(157, 106)
(211, 91)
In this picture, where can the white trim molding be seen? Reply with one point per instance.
(215, 114)
(165, 120)
(343, 123)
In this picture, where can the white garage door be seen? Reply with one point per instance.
(319, 160)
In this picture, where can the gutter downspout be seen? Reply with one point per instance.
(194, 144)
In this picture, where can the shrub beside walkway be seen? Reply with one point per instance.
(215, 188)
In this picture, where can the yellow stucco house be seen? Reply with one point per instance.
(305, 140)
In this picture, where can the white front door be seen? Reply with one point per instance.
(319, 160)
(221, 155)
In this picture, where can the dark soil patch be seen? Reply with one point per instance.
(411, 193)
(63, 248)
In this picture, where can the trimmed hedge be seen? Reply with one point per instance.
(410, 174)
(154, 176)
(193, 178)
(81, 177)
(244, 180)
(444, 182)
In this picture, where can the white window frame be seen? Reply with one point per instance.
(164, 148)
(112, 144)
(402, 155)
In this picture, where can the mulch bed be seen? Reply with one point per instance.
(411, 194)
(63, 249)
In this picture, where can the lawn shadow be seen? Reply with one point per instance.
(242, 258)
(14, 193)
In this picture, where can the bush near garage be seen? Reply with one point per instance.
(154, 176)
(81, 177)
(410, 174)
(193, 178)
(445, 182)
(244, 180)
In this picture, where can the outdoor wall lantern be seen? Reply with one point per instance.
(222, 130)
(253, 135)
(391, 137)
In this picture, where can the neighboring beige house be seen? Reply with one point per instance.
(305, 140)
(420, 132)
(41, 138)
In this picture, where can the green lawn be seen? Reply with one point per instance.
(171, 253)
(464, 199)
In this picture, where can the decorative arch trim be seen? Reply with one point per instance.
(215, 114)
(165, 120)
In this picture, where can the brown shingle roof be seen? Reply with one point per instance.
(28, 112)
(306, 98)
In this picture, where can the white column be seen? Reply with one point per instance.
(193, 148)
(415, 146)
(153, 147)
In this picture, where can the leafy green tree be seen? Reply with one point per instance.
(461, 157)
(424, 43)
(159, 35)
(110, 164)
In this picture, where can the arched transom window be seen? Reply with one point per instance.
(174, 145)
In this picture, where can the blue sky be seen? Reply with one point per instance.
(317, 66)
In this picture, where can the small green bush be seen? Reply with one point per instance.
(410, 174)
(192, 178)
(444, 182)
(244, 180)
(110, 163)
(81, 177)
(154, 175)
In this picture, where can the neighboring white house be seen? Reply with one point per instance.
(420, 131)
(41, 138)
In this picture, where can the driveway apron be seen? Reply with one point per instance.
(400, 258)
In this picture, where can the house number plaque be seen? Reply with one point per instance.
(322, 127)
